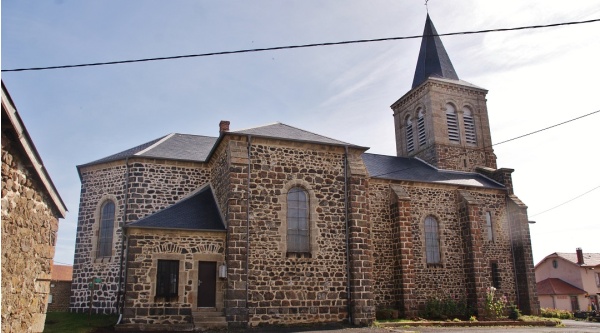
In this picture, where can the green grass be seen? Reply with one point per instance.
(59, 322)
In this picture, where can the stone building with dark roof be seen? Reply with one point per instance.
(278, 225)
(31, 207)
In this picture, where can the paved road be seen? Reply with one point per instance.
(571, 326)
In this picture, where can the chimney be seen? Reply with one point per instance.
(223, 126)
(579, 256)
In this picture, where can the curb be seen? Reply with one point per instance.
(467, 323)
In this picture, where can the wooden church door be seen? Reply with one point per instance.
(207, 284)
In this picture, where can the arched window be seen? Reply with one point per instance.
(470, 136)
(298, 233)
(410, 141)
(489, 226)
(421, 128)
(452, 122)
(432, 240)
(105, 231)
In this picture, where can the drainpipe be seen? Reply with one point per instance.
(248, 227)
(348, 261)
(120, 300)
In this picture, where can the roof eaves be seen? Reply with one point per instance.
(31, 151)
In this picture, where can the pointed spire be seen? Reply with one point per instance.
(433, 59)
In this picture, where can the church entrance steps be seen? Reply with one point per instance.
(208, 319)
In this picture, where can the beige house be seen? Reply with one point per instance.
(569, 281)
(31, 207)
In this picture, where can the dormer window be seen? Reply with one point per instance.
(452, 122)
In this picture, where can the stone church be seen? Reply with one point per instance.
(277, 225)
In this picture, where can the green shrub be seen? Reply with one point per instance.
(386, 314)
(445, 308)
(513, 312)
(555, 313)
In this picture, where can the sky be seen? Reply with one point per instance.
(536, 79)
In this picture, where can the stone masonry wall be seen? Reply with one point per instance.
(290, 288)
(61, 295)
(146, 247)
(152, 185)
(451, 277)
(29, 226)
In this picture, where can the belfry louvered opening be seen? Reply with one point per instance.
(470, 136)
(452, 122)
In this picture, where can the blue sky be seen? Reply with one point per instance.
(536, 78)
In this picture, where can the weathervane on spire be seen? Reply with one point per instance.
(426, 7)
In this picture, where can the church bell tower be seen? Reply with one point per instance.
(442, 120)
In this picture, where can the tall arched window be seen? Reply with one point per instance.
(421, 128)
(298, 233)
(432, 240)
(470, 136)
(452, 121)
(489, 226)
(105, 231)
(410, 141)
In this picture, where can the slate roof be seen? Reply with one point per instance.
(433, 59)
(283, 131)
(554, 286)
(174, 146)
(413, 169)
(199, 211)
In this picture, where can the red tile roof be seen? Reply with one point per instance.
(589, 259)
(554, 286)
(62, 273)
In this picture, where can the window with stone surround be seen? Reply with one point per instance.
(489, 226)
(495, 270)
(408, 129)
(106, 229)
(432, 241)
(167, 278)
(452, 123)
(298, 230)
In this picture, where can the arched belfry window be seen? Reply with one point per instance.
(298, 231)
(432, 240)
(410, 141)
(421, 128)
(452, 122)
(470, 136)
(106, 228)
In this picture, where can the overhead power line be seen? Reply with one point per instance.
(496, 144)
(566, 202)
(296, 47)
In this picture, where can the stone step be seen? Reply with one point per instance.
(209, 319)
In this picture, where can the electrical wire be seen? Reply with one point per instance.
(566, 202)
(499, 143)
(297, 46)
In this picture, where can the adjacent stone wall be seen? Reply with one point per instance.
(146, 247)
(152, 185)
(61, 296)
(29, 226)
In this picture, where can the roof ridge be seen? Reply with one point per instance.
(249, 128)
(152, 146)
